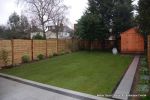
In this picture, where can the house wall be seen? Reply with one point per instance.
(35, 33)
(52, 35)
(61, 35)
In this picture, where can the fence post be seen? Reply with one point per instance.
(148, 51)
(12, 49)
(46, 49)
(65, 45)
(57, 45)
(72, 45)
(32, 49)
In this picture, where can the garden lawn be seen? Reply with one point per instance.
(87, 72)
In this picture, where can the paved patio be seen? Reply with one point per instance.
(14, 88)
(125, 85)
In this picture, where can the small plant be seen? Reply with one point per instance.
(38, 37)
(55, 54)
(144, 59)
(40, 56)
(143, 88)
(4, 56)
(144, 71)
(68, 52)
(144, 79)
(63, 52)
(25, 59)
(50, 56)
(143, 63)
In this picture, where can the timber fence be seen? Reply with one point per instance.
(17, 48)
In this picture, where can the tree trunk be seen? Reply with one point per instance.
(43, 29)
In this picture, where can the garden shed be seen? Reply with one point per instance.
(132, 41)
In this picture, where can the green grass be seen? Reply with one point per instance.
(88, 72)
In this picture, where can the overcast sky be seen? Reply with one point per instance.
(77, 7)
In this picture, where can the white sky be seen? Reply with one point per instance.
(77, 7)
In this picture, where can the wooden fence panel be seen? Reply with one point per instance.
(6, 45)
(69, 45)
(84, 44)
(21, 48)
(96, 45)
(18, 48)
(39, 47)
(61, 46)
(51, 47)
(75, 44)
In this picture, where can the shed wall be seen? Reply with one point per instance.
(132, 42)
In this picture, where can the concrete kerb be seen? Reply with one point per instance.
(70, 93)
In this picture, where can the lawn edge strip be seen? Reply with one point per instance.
(115, 88)
(135, 81)
(70, 93)
(127, 79)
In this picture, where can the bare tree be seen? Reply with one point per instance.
(34, 25)
(59, 20)
(46, 11)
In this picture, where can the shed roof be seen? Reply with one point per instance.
(131, 30)
(134, 30)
